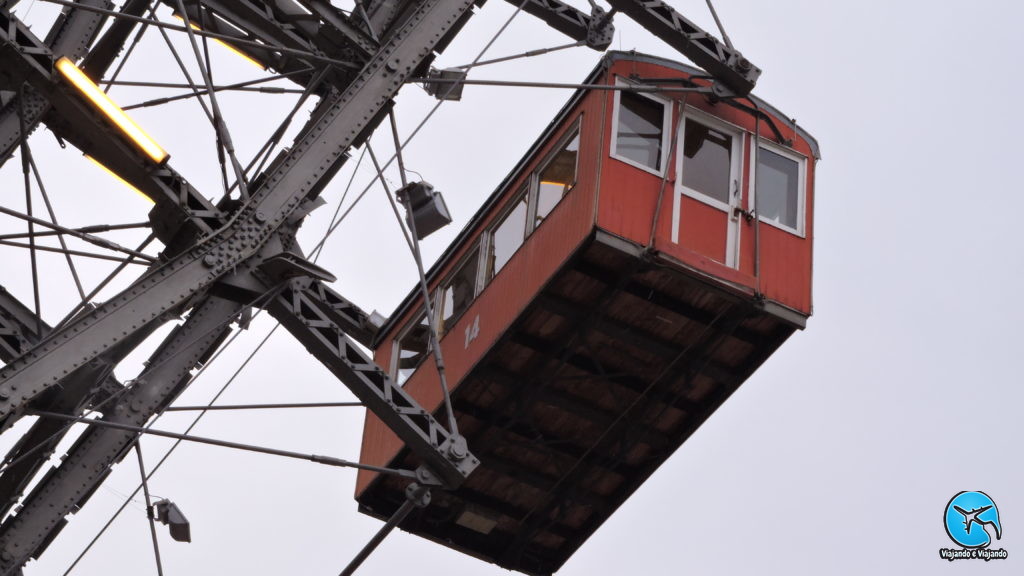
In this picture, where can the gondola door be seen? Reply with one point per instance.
(708, 187)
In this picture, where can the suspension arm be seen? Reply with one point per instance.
(309, 320)
(595, 29)
(734, 74)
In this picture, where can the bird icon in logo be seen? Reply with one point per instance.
(968, 516)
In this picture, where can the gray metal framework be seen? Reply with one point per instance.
(223, 259)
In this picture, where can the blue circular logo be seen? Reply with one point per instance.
(968, 518)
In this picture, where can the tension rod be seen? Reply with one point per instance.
(328, 460)
(416, 496)
(263, 406)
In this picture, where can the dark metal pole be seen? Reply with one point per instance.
(35, 248)
(28, 207)
(379, 537)
(568, 86)
(95, 240)
(416, 496)
(328, 460)
(264, 406)
(83, 229)
(53, 218)
(149, 509)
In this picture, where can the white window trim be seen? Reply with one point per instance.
(533, 183)
(441, 287)
(801, 207)
(666, 129)
(735, 168)
(521, 193)
(396, 348)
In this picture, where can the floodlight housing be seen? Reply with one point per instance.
(425, 208)
(168, 513)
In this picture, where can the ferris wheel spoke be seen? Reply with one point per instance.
(91, 229)
(149, 508)
(153, 18)
(246, 86)
(30, 220)
(103, 284)
(53, 219)
(90, 238)
(263, 155)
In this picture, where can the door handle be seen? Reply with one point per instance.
(748, 215)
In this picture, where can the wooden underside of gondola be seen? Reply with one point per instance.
(609, 370)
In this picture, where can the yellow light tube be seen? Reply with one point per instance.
(114, 113)
(226, 45)
(117, 177)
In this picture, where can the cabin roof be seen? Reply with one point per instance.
(414, 297)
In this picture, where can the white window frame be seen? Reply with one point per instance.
(736, 154)
(396, 348)
(441, 287)
(533, 184)
(523, 192)
(666, 129)
(801, 206)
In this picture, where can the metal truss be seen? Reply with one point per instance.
(222, 259)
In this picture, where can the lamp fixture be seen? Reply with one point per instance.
(112, 111)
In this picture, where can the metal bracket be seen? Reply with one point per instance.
(600, 30)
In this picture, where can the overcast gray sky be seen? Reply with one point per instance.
(837, 457)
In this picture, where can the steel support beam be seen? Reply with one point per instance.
(595, 29)
(339, 24)
(295, 176)
(311, 322)
(17, 334)
(17, 327)
(67, 488)
(734, 75)
(349, 318)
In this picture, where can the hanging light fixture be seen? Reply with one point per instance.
(168, 513)
(425, 208)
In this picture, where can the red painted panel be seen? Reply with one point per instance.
(702, 228)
